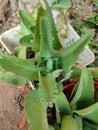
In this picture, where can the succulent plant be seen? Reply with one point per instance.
(46, 107)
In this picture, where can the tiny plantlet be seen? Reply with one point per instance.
(47, 107)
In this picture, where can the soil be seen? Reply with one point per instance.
(81, 10)
(12, 116)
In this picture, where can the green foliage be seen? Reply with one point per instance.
(46, 42)
(89, 113)
(63, 104)
(11, 77)
(20, 52)
(48, 88)
(49, 62)
(26, 39)
(26, 33)
(36, 111)
(77, 72)
(25, 0)
(27, 19)
(46, 15)
(86, 24)
(82, 89)
(85, 115)
(68, 122)
(96, 3)
(22, 67)
(72, 53)
(59, 3)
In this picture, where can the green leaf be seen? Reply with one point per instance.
(96, 17)
(91, 19)
(89, 125)
(37, 35)
(79, 122)
(55, 40)
(27, 19)
(51, 128)
(82, 95)
(23, 29)
(46, 14)
(36, 111)
(48, 87)
(70, 55)
(89, 113)
(59, 3)
(20, 52)
(69, 123)
(63, 104)
(26, 40)
(50, 65)
(59, 87)
(12, 78)
(46, 49)
(96, 3)
(22, 32)
(77, 72)
(22, 67)
(58, 117)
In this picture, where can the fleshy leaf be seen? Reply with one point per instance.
(50, 64)
(69, 123)
(51, 127)
(11, 78)
(22, 67)
(90, 113)
(48, 87)
(55, 40)
(46, 49)
(27, 19)
(79, 122)
(20, 52)
(22, 32)
(77, 71)
(83, 98)
(89, 125)
(26, 40)
(36, 111)
(59, 3)
(37, 35)
(46, 14)
(70, 55)
(63, 104)
(58, 116)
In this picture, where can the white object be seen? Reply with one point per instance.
(8, 39)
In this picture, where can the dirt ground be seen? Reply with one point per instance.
(12, 115)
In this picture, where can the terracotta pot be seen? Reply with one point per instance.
(67, 89)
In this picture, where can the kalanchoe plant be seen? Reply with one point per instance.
(46, 107)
